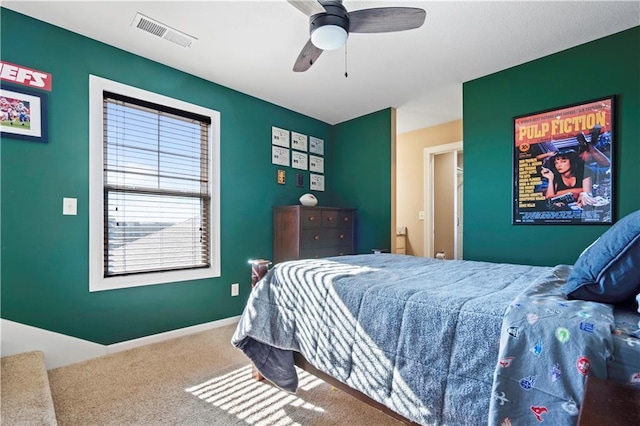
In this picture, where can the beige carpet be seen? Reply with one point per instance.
(199, 379)
(24, 391)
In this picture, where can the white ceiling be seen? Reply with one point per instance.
(250, 46)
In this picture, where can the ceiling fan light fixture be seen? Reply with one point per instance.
(329, 37)
(330, 24)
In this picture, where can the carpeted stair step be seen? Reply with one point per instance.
(25, 394)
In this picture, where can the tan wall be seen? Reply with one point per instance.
(443, 207)
(410, 177)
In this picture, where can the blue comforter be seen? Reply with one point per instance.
(420, 336)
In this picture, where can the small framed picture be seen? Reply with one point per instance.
(299, 141)
(316, 182)
(23, 114)
(316, 145)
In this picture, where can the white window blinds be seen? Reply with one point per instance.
(156, 187)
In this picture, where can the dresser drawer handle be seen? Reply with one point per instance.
(329, 219)
(316, 237)
(342, 236)
(346, 219)
(312, 218)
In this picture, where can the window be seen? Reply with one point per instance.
(154, 197)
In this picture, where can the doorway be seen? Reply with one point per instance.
(443, 187)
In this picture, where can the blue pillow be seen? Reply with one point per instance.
(608, 271)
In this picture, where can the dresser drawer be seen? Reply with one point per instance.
(311, 218)
(337, 218)
(325, 237)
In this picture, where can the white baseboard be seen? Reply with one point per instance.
(155, 338)
(60, 349)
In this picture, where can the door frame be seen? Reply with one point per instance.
(429, 154)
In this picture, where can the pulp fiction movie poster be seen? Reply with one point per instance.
(563, 165)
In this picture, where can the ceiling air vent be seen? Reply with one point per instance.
(161, 30)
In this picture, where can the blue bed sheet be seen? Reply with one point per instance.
(549, 345)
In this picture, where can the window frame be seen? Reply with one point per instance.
(97, 280)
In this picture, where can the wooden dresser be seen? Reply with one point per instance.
(301, 232)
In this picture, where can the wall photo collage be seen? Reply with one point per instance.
(301, 152)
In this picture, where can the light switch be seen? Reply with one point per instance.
(70, 206)
(421, 215)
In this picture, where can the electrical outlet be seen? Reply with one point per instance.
(421, 215)
(235, 289)
(70, 206)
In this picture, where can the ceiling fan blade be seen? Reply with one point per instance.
(308, 56)
(308, 7)
(385, 19)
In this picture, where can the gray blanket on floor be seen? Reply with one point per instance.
(418, 335)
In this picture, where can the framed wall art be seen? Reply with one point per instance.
(23, 114)
(563, 171)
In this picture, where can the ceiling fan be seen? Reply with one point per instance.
(330, 24)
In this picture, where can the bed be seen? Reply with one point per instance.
(443, 342)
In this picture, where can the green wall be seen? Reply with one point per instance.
(608, 66)
(44, 264)
(362, 176)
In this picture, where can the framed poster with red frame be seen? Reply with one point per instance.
(563, 171)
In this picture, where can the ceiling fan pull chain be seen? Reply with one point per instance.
(345, 61)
